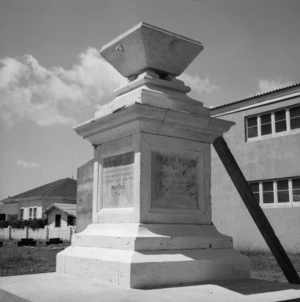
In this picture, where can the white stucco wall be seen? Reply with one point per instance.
(51, 218)
(268, 158)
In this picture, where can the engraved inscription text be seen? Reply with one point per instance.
(174, 181)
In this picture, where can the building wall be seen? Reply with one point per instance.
(41, 205)
(26, 204)
(262, 159)
(51, 218)
(84, 195)
(9, 209)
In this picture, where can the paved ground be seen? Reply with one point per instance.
(58, 287)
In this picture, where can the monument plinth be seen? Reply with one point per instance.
(152, 222)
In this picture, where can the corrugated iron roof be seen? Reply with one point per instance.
(66, 187)
(256, 98)
(68, 208)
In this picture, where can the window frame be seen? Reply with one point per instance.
(22, 212)
(273, 133)
(276, 203)
(34, 213)
(57, 223)
(30, 213)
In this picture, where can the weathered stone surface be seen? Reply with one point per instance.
(148, 47)
(118, 176)
(152, 222)
(174, 181)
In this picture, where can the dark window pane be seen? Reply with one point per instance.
(255, 189)
(296, 195)
(266, 129)
(282, 184)
(268, 197)
(265, 118)
(254, 186)
(280, 126)
(256, 195)
(252, 132)
(57, 220)
(252, 121)
(283, 196)
(71, 220)
(295, 123)
(295, 111)
(280, 115)
(296, 183)
(267, 186)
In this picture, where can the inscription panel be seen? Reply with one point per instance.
(174, 181)
(118, 176)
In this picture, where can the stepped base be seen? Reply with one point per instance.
(151, 256)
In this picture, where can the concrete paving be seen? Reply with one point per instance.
(59, 287)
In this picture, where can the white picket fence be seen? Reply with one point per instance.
(44, 234)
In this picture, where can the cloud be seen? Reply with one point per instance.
(265, 85)
(198, 85)
(55, 95)
(47, 96)
(27, 165)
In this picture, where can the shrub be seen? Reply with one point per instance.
(20, 224)
(4, 224)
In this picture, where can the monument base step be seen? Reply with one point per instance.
(153, 269)
(60, 288)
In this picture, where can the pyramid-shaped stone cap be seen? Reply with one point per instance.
(145, 47)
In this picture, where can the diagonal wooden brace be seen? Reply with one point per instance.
(255, 210)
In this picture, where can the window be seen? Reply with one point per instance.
(252, 127)
(277, 192)
(280, 121)
(266, 124)
(30, 213)
(11, 217)
(268, 192)
(34, 213)
(296, 190)
(295, 117)
(57, 220)
(271, 123)
(71, 220)
(21, 214)
(255, 189)
(283, 191)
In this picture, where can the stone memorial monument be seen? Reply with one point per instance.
(152, 223)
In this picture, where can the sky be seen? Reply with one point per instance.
(53, 78)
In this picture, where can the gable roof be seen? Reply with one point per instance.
(66, 187)
(256, 99)
(68, 208)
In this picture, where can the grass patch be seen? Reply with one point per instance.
(23, 260)
(16, 260)
(265, 267)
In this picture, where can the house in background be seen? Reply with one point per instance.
(266, 144)
(32, 204)
(61, 215)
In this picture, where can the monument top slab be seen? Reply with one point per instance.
(146, 47)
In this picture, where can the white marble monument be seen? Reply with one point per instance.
(152, 222)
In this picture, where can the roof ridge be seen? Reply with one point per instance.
(60, 182)
(256, 96)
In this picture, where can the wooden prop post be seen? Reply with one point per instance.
(255, 210)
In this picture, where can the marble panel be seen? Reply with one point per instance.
(174, 181)
(118, 177)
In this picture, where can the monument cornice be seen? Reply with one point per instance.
(155, 120)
